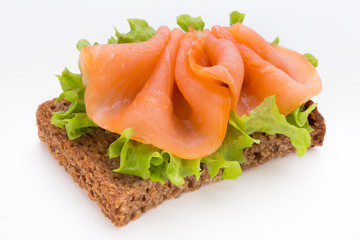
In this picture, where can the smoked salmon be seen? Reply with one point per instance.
(177, 89)
(270, 70)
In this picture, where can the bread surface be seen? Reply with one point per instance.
(123, 198)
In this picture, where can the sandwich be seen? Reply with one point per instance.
(154, 114)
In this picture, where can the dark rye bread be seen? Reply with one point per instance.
(123, 198)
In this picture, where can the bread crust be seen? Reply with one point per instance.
(122, 197)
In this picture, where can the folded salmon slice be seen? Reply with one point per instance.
(176, 90)
(270, 70)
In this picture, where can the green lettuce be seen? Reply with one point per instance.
(179, 168)
(149, 162)
(82, 43)
(78, 125)
(140, 31)
(312, 59)
(74, 120)
(236, 17)
(58, 118)
(230, 154)
(276, 41)
(299, 117)
(70, 81)
(135, 157)
(266, 118)
(112, 40)
(185, 20)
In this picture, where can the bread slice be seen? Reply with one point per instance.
(123, 198)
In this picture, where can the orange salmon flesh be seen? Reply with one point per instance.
(177, 89)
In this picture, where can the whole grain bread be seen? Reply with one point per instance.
(123, 198)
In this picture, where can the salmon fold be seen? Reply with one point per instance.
(270, 70)
(176, 89)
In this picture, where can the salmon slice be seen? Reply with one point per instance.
(270, 70)
(114, 73)
(176, 90)
(226, 64)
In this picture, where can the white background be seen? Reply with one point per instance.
(313, 197)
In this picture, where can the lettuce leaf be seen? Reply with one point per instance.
(149, 162)
(276, 41)
(185, 20)
(299, 117)
(112, 40)
(74, 120)
(59, 117)
(82, 43)
(266, 118)
(230, 154)
(232, 169)
(140, 31)
(178, 169)
(78, 125)
(314, 61)
(236, 17)
(135, 157)
(70, 81)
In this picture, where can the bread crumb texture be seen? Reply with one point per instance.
(122, 197)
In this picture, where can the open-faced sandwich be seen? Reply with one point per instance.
(157, 113)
